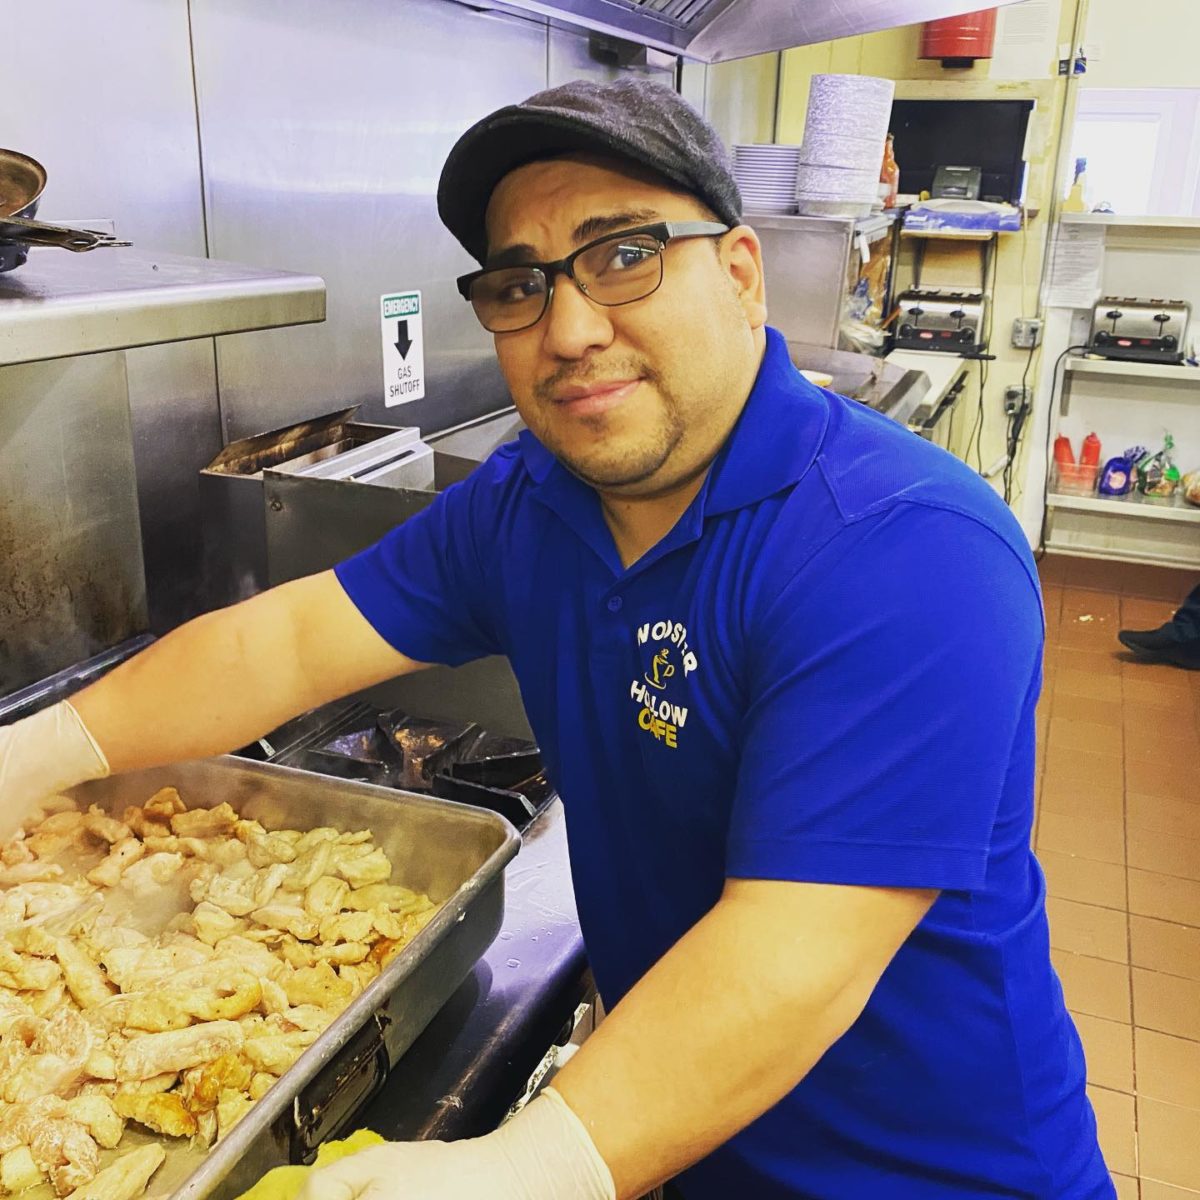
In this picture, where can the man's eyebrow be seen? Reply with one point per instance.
(598, 226)
(585, 231)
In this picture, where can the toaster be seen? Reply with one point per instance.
(939, 319)
(1140, 330)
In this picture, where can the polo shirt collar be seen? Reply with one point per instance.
(772, 445)
(776, 438)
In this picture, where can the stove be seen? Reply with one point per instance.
(451, 760)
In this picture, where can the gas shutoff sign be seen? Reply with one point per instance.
(403, 348)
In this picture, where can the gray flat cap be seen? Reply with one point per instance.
(637, 119)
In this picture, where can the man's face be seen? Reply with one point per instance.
(635, 399)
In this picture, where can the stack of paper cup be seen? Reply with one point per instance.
(844, 135)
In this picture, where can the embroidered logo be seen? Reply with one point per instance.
(658, 715)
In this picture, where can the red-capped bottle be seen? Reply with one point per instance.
(1063, 454)
(1090, 454)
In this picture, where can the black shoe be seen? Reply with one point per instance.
(1164, 646)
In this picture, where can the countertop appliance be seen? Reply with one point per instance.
(1151, 330)
(940, 319)
(957, 183)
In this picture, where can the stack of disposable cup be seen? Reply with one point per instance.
(844, 135)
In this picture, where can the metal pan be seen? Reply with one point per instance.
(22, 181)
(454, 853)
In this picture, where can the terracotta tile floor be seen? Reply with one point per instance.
(1118, 835)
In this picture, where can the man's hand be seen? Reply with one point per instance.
(543, 1153)
(41, 755)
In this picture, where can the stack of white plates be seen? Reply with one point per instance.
(766, 176)
(844, 135)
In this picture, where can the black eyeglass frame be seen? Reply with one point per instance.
(664, 231)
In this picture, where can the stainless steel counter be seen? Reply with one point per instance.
(62, 304)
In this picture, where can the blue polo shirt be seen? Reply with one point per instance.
(826, 672)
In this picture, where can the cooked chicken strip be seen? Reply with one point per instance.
(56, 833)
(205, 822)
(99, 1116)
(108, 829)
(123, 855)
(318, 985)
(202, 1086)
(67, 1153)
(212, 923)
(288, 917)
(164, 804)
(268, 883)
(343, 953)
(146, 877)
(310, 865)
(276, 1052)
(231, 1108)
(57, 1060)
(390, 895)
(164, 1113)
(266, 849)
(29, 872)
(20, 973)
(154, 1053)
(85, 981)
(362, 870)
(18, 1171)
(347, 927)
(326, 896)
(19, 1122)
(125, 1179)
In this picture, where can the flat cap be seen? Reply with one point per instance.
(637, 119)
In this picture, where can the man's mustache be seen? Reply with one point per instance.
(592, 371)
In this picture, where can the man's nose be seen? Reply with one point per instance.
(573, 324)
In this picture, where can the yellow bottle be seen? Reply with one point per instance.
(1075, 202)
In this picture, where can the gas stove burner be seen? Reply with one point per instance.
(450, 760)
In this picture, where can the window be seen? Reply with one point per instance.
(1142, 149)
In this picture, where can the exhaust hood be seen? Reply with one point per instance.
(718, 30)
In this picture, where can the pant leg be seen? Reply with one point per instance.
(1187, 619)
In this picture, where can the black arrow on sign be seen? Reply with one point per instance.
(403, 341)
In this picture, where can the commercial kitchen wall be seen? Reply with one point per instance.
(296, 134)
(894, 54)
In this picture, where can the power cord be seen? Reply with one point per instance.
(1040, 553)
(1015, 429)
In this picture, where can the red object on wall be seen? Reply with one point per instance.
(960, 40)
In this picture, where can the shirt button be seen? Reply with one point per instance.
(614, 603)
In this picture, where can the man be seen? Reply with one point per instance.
(801, 854)
(1177, 642)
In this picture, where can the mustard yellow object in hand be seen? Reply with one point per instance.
(284, 1183)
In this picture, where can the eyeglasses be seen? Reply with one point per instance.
(615, 269)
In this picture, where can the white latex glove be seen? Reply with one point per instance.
(41, 756)
(543, 1153)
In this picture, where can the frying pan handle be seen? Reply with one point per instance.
(356, 1076)
(39, 233)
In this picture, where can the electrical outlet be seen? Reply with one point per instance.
(1026, 333)
(1017, 398)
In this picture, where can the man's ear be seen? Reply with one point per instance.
(741, 256)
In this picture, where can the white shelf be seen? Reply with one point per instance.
(1136, 370)
(954, 235)
(1128, 506)
(1120, 220)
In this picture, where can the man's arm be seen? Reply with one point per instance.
(728, 1021)
(228, 677)
(749, 1000)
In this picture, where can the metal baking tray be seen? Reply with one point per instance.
(454, 853)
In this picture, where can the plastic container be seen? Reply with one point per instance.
(1075, 479)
